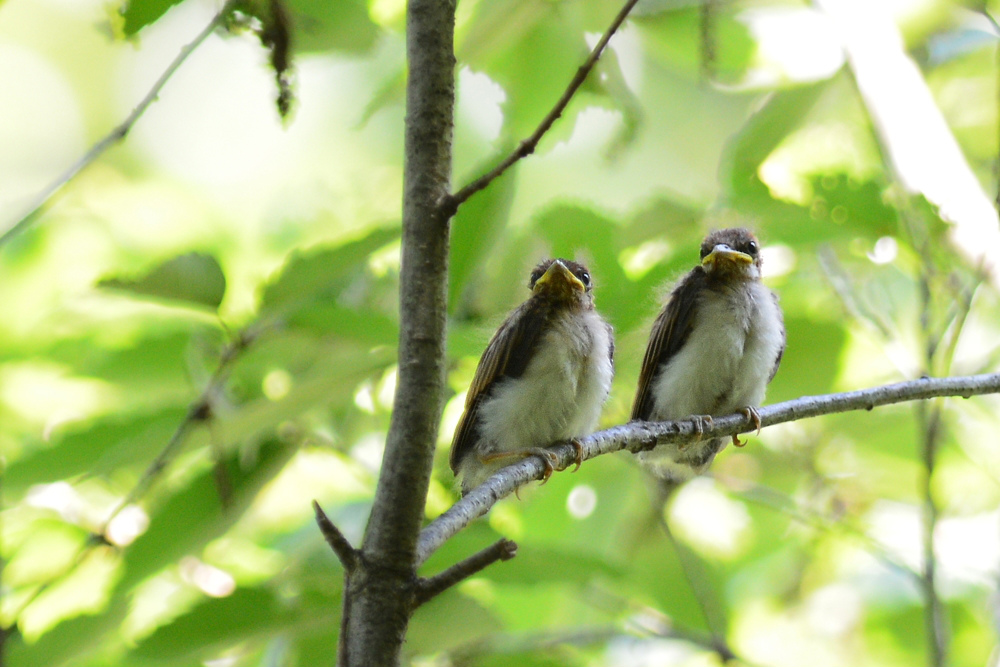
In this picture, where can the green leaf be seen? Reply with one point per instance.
(804, 372)
(532, 49)
(192, 517)
(195, 278)
(247, 614)
(355, 324)
(447, 621)
(761, 134)
(477, 229)
(321, 273)
(97, 448)
(321, 26)
(140, 13)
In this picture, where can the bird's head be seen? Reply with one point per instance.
(561, 280)
(731, 254)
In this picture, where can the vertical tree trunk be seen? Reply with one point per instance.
(379, 594)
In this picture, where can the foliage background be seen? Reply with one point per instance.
(806, 541)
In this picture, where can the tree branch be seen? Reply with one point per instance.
(198, 412)
(347, 554)
(640, 436)
(427, 588)
(449, 203)
(379, 595)
(118, 133)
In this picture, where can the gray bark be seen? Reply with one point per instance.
(381, 590)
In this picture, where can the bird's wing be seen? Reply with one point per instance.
(670, 331)
(507, 355)
(784, 338)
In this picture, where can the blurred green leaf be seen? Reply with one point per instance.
(321, 273)
(532, 49)
(96, 449)
(783, 112)
(247, 614)
(194, 278)
(323, 26)
(477, 228)
(811, 362)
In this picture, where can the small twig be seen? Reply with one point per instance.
(698, 582)
(449, 204)
(707, 25)
(640, 436)
(933, 612)
(347, 554)
(200, 411)
(427, 588)
(764, 496)
(118, 133)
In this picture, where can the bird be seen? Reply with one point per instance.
(713, 349)
(543, 378)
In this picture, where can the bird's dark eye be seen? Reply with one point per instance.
(585, 278)
(535, 275)
(752, 247)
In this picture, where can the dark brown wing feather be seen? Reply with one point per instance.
(670, 331)
(507, 355)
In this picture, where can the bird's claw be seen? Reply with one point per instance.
(578, 458)
(549, 460)
(750, 413)
(699, 423)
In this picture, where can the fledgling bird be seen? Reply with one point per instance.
(542, 379)
(712, 351)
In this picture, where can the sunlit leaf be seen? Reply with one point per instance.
(140, 13)
(194, 278)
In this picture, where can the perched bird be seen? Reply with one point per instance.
(542, 379)
(713, 349)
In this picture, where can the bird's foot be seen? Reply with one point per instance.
(750, 413)
(549, 460)
(700, 423)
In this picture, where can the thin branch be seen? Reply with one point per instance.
(199, 411)
(118, 133)
(450, 203)
(641, 436)
(933, 611)
(764, 496)
(427, 588)
(347, 554)
(699, 583)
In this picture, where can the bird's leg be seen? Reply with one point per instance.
(750, 413)
(700, 423)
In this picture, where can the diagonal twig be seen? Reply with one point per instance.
(449, 203)
(347, 554)
(119, 132)
(640, 436)
(503, 549)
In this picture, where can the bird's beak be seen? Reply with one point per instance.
(558, 277)
(723, 254)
